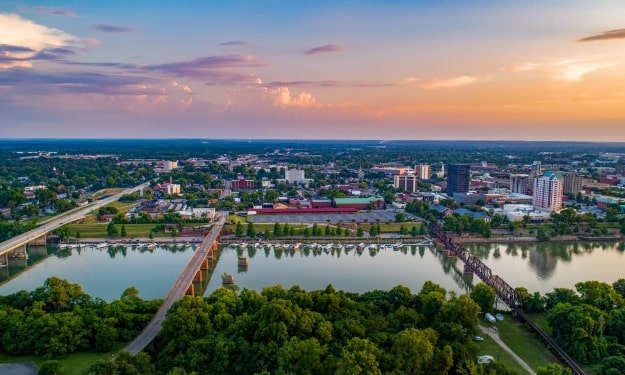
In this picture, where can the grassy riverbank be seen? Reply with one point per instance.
(73, 364)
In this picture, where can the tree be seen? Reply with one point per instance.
(413, 350)
(400, 217)
(302, 357)
(151, 235)
(239, 230)
(619, 287)
(251, 232)
(277, 230)
(123, 231)
(484, 296)
(111, 230)
(360, 232)
(359, 357)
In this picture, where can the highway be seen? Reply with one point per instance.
(61, 220)
(178, 290)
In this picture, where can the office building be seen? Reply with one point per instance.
(458, 176)
(537, 169)
(548, 190)
(406, 182)
(520, 183)
(423, 171)
(573, 184)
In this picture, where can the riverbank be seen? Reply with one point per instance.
(131, 241)
(523, 239)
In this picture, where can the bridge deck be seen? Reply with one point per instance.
(178, 290)
(61, 220)
(505, 292)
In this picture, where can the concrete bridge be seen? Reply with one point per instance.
(15, 248)
(201, 260)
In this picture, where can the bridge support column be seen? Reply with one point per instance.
(190, 290)
(204, 265)
(4, 260)
(198, 276)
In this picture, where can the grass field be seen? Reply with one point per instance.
(98, 230)
(523, 343)
(490, 347)
(73, 364)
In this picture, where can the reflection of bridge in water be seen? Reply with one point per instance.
(504, 291)
(13, 266)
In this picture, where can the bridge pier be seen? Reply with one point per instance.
(204, 265)
(198, 276)
(19, 252)
(4, 260)
(37, 250)
(190, 290)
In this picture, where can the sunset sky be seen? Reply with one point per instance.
(533, 70)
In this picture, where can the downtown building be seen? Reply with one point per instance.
(548, 190)
(520, 183)
(423, 171)
(573, 184)
(458, 179)
(406, 182)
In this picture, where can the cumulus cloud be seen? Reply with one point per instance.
(432, 84)
(606, 35)
(565, 70)
(283, 98)
(324, 49)
(112, 28)
(24, 40)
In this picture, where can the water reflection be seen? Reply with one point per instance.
(557, 264)
(103, 271)
(346, 268)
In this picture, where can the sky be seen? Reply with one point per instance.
(521, 70)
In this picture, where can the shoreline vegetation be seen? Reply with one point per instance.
(281, 330)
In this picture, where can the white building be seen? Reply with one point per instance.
(548, 190)
(295, 176)
(516, 213)
(423, 171)
(171, 188)
(169, 165)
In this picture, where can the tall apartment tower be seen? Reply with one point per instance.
(548, 190)
(458, 176)
(423, 171)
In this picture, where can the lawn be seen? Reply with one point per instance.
(73, 364)
(524, 343)
(98, 230)
(490, 347)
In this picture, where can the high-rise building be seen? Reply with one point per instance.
(520, 183)
(423, 171)
(407, 182)
(573, 184)
(548, 191)
(458, 176)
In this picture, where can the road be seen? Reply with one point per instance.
(62, 219)
(178, 290)
(495, 336)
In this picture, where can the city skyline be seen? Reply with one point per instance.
(329, 70)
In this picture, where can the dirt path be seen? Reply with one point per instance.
(493, 334)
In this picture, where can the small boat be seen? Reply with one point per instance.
(297, 246)
(102, 245)
(361, 246)
(151, 246)
(398, 245)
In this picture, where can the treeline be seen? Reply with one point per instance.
(589, 322)
(59, 318)
(280, 331)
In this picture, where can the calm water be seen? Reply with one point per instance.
(108, 272)
(350, 271)
(103, 273)
(545, 266)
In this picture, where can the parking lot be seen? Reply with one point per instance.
(382, 216)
